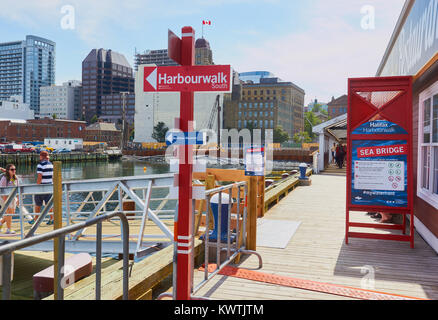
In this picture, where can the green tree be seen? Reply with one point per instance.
(94, 119)
(310, 120)
(160, 131)
(302, 137)
(54, 116)
(280, 135)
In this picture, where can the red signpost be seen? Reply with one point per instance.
(186, 79)
(379, 160)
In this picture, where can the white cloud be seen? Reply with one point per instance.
(332, 49)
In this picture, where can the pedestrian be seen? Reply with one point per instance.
(9, 179)
(344, 154)
(45, 176)
(339, 156)
(334, 153)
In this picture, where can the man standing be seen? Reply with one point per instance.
(45, 176)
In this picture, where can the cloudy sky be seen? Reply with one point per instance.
(317, 44)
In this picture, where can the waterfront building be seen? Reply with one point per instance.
(39, 129)
(157, 57)
(266, 105)
(14, 108)
(203, 52)
(103, 132)
(151, 108)
(413, 50)
(338, 106)
(64, 143)
(25, 66)
(104, 72)
(62, 102)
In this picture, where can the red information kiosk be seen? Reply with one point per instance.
(379, 163)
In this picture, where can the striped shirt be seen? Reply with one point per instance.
(45, 168)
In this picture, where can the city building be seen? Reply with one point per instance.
(203, 52)
(151, 108)
(14, 108)
(255, 76)
(158, 57)
(112, 108)
(266, 105)
(338, 106)
(39, 129)
(413, 51)
(311, 105)
(103, 132)
(61, 102)
(25, 66)
(104, 72)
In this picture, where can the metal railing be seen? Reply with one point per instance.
(7, 250)
(86, 199)
(235, 243)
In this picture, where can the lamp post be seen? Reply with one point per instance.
(123, 135)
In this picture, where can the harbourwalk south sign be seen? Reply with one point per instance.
(183, 78)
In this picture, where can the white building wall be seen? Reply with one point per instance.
(59, 100)
(151, 108)
(59, 143)
(15, 109)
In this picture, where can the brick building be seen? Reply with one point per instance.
(39, 129)
(266, 105)
(103, 132)
(338, 106)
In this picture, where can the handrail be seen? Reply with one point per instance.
(7, 250)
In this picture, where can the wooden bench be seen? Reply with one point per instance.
(76, 267)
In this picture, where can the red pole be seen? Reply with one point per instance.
(185, 218)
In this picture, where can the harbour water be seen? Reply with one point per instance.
(96, 170)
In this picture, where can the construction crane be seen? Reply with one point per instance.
(216, 110)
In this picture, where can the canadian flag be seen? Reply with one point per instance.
(208, 22)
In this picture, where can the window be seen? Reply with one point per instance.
(427, 171)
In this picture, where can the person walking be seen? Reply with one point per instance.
(334, 153)
(9, 179)
(339, 156)
(45, 176)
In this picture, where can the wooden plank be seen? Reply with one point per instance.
(222, 175)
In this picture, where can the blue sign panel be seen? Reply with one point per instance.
(184, 138)
(379, 173)
(379, 127)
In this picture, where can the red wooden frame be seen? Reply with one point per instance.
(361, 111)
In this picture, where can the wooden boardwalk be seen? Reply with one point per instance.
(318, 252)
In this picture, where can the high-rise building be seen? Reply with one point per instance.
(266, 105)
(104, 72)
(25, 66)
(158, 57)
(203, 53)
(62, 101)
(255, 76)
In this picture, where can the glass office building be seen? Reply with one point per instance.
(25, 66)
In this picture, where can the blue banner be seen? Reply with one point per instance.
(379, 173)
(379, 127)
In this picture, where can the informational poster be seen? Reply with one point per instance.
(255, 161)
(379, 173)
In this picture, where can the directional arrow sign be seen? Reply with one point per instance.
(185, 79)
(184, 138)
